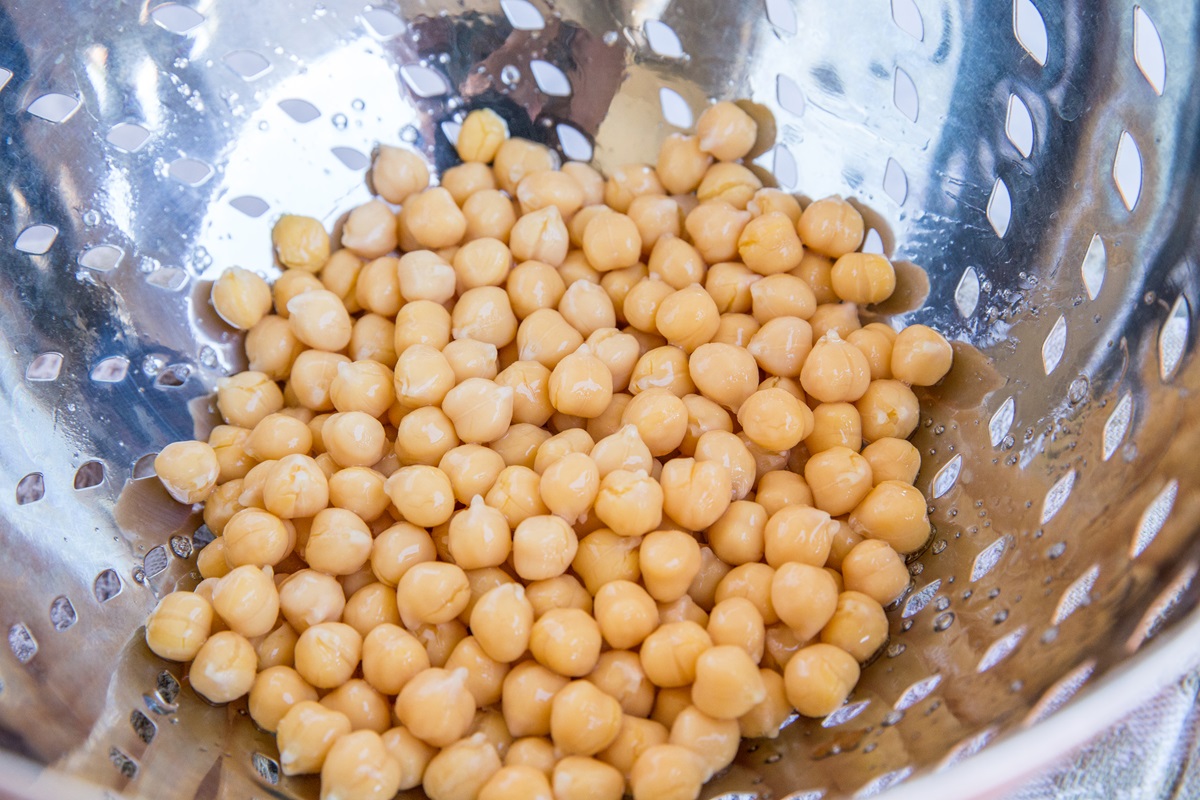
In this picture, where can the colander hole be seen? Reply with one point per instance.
(381, 23)
(143, 726)
(1163, 607)
(1148, 50)
(1172, 341)
(920, 598)
(573, 143)
(675, 109)
(31, 489)
(550, 79)
(266, 768)
(1001, 422)
(62, 613)
(1055, 345)
(1076, 596)
(895, 182)
(907, 17)
(987, 560)
(54, 107)
(1154, 518)
(782, 164)
(1094, 267)
(789, 95)
(36, 239)
(522, 15)
(352, 159)
(1117, 425)
(124, 764)
(190, 171)
(45, 367)
(102, 257)
(181, 546)
(967, 747)
(845, 714)
(917, 692)
(1030, 30)
(665, 42)
(1018, 125)
(1001, 649)
(166, 686)
(107, 585)
(1063, 690)
(904, 95)
(782, 15)
(171, 278)
(1127, 170)
(155, 561)
(873, 242)
(966, 294)
(176, 18)
(22, 643)
(883, 782)
(1057, 496)
(5, 77)
(947, 477)
(424, 81)
(144, 467)
(250, 205)
(110, 370)
(301, 111)
(247, 64)
(128, 136)
(999, 208)
(89, 475)
(174, 376)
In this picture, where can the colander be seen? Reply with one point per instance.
(1039, 159)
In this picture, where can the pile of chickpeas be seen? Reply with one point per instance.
(551, 485)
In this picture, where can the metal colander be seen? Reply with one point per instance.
(1038, 158)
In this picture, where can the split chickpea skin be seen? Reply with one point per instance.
(552, 484)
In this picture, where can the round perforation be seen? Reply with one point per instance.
(89, 475)
(143, 727)
(36, 239)
(62, 613)
(155, 561)
(873, 243)
(123, 763)
(54, 107)
(351, 159)
(1030, 30)
(107, 585)
(171, 279)
(1127, 170)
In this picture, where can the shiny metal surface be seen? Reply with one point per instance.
(1030, 156)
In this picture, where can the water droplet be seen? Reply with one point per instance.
(339, 121)
(180, 63)
(139, 575)
(1057, 550)
(1000, 616)
(896, 648)
(263, 125)
(1050, 635)
(942, 603)
(994, 593)
(510, 75)
(208, 356)
(892, 718)
(357, 104)
(1149, 298)
(151, 365)
(906, 625)
(91, 218)
(443, 58)
(939, 546)
(610, 38)
(408, 134)
(149, 264)
(944, 621)
(319, 11)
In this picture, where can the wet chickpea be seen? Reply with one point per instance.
(294, 486)
(533, 751)
(465, 180)
(339, 542)
(300, 242)
(370, 231)
(257, 538)
(819, 678)
(460, 771)
(278, 435)
(366, 708)
(655, 217)
(799, 534)
(587, 308)
(629, 181)
(482, 581)
(804, 597)
(781, 644)
(371, 606)
(634, 736)
(676, 263)
(479, 536)
(839, 479)
(660, 417)
(241, 298)
(526, 698)
(567, 641)
(611, 241)
(687, 318)
(360, 491)
(482, 262)
(629, 503)
(397, 173)
(471, 359)
(224, 667)
(715, 740)
(695, 492)
(859, 626)
(377, 289)
(211, 563)
(534, 285)
(305, 735)
(591, 182)
(482, 134)
(619, 674)
(764, 460)
(291, 283)
(436, 707)
(485, 675)
(543, 547)
(730, 285)
(921, 356)
(274, 692)
(340, 276)
(735, 621)
(667, 772)
(840, 318)
(480, 409)
(569, 486)
(583, 719)
(432, 593)
(580, 385)
(618, 352)
(540, 236)
(397, 549)
(439, 640)
(893, 512)
(410, 753)
(835, 425)
(188, 470)
(766, 718)
(550, 188)
(517, 158)
(774, 419)
(670, 653)
(723, 373)
(738, 536)
(768, 244)
(422, 322)
(816, 271)
(319, 320)
(247, 601)
(783, 347)
(358, 767)
(577, 227)
(433, 219)
(422, 494)
(622, 450)
(626, 614)
(179, 626)
(715, 228)
(782, 488)
(424, 436)
(422, 275)
(485, 315)
(782, 295)
(863, 278)
(245, 399)
(646, 341)
(682, 163)
(545, 337)
(665, 368)
(502, 621)
(752, 581)
(517, 781)
(354, 439)
(489, 213)
(835, 371)
(704, 416)
(423, 376)
(643, 302)
(876, 346)
(888, 409)
(873, 568)
(516, 494)
(684, 609)
(271, 347)
(736, 330)
(471, 469)
(831, 227)
(726, 131)
(312, 377)
(669, 703)
(489, 723)
(221, 505)
(892, 460)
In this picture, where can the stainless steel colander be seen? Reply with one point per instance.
(1038, 158)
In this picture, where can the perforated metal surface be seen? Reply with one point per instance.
(1038, 159)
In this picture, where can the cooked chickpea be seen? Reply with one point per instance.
(674, 262)
(738, 536)
(244, 400)
(863, 278)
(714, 740)
(630, 181)
(373, 338)
(835, 425)
(921, 356)
(300, 242)
(359, 767)
(211, 563)
(422, 275)
(543, 547)
(617, 351)
(735, 621)
(489, 213)
(480, 409)
(892, 460)
(516, 494)
(660, 417)
(682, 162)
(479, 536)
(695, 492)
(370, 231)
(583, 719)
(832, 227)
(587, 307)
(485, 675)
(319, 320)
(377, 288)
(471, 469)
(723, 373)
(726, 131)
(465, 180)
(484, 314)
(526, 698)
(271, 347)
(782, 295)
(339, 542)
(516, 158)
(816, 271)
(859, 626)
(619, 674)
(569, 486)
(422, 494)
(439, 640)
(730, 285)
(256, 538)
(188, 470)
(291, 283)
(423, 376)
(655, 217)
(622, 450)
(768, 244)
(736, 329)
(534, 285)
(424, 436)
(781, 644)
(247, 601)
(533, 751)
(839, 479)
(727, 682)
(670, 653)
(482, 262)
(540, 236)
(643, 302)
(275, 691)
(306, 733)
(715, 228)
(873, 568)
(550, 188)
(241, 298)
(781, 488)
(410, 753)
(517, 781)
(433, 219)
(840, 318)
(580, 384)
(783, 347)
(481, 135)
(888, 409)
(179, 626)
(611, 241)
(432, 592)
(354, 438)
(774, 419)
(663, 367)
(502, 621)
(629, 503)
(752, 581)
(687, 318)
(278, 435)
(328, 653)
(312, 377)
(804, 597)
(359, 490)
(626, 614)
(397, 173)
(667, 772)
(704, 416)
(396, 549)
(768, 716)
(545, 337)
(835, 371)
(224, 667)
(819, 678)
(798, 533)
(685, 609)
(366, 708)
(634, 736)
(566, 640)
(893, 512)
(371, 606)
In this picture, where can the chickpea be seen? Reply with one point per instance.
(423, 376)
(735, 621)
(752, 581)
(485, 315)
(422, 494)
(339, 542)
(667, 772)
(611, 241)
(798, 533)
(328, 653)
(577, 226)
(643, 302)
(188, 470)
(888, 409)
(687, 318)
(704, 416)
(530, 384)
(244, 400)
(224, 667)
(730, 285)
(858, 626)
(436, 707)
(291, 283)
(655, 217)
(738, 536)
(892, 460)
(587, 308)
(804, 597)
(630, 181)
(840, 318)
(670, 653)
(590, 181)
(617, 351)
(471, 359)
(371, 606)
(512, 782)
(726, 131)
(835, 371)
(782, 488)
(539, 190)
(715, 228)
(274, 692)
(566, 640)
(465, 180)
(768, 244)
(723, 373)
(319, 320)
(489, 213)
(247, 601)
(663, 367)
(621, 450)
(835, 425)
(634, 737)
(377, 288)
(278, 435)
(669, 703)
(526, 698)
(370, 231)
(873, 568)
(471, 469)
(540, 236)
(676, 263)
(480, 409)
(819, 678)
(241, 298)
(354, 438)
(533, 285)
(397, 173)
(424, 436)
(433, 219)
(479, 536)
(312, 377)
(580, 384)
(816, 271)
(768, 716)
(775, 420)
(682, 162)
(630, 503)
(460, 771)
(583, 719)
(685, 609)
(366, 708)
(782, 295)
(517, 158)
(893, 512)
(358, 767)
(359, 490)
(300, 242)
(396, 549)
(921, 356)
(695, 492)
(839, 479)
(423, 275)
(431, 593)
(619, 674)
(484, 674)
(221, 505)
(533, 751)
(714, 740)
(481, 135)
(863, 278)
(410, 753)
(516, 494)
(482, 262)
(660, 417)
(569, 486)
(626, 614)
(211, 562)
(783, 347)
(782, 643)
(256, 538)
(502, 620)
(736, 329)
(271, 347)
(831, 227)
(179, 626)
